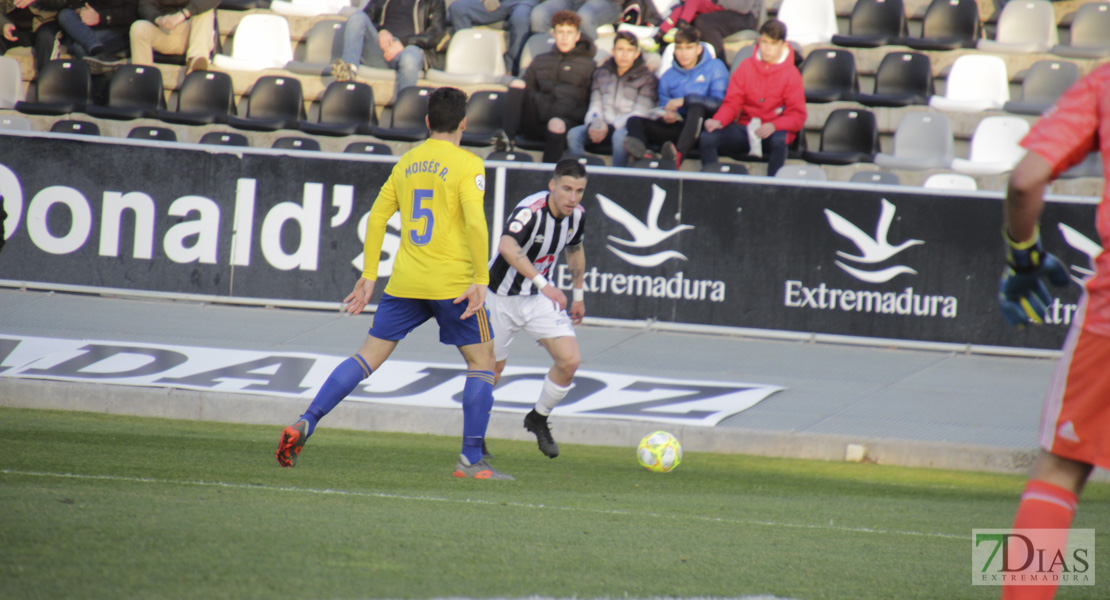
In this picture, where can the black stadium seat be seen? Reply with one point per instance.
(368, 148)
(850, 135)
(485, 112)
(161, 134)
(829, 75)
(296, 143)
(347, 108)
(205, 97)
(135, 91)
(62, 87)
(948, 25)
(75, 126)
(407, 120)
(902, 79)
(225, 138)
(275, 102)
(874, 23)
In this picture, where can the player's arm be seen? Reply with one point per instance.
(471, 197)
(517, 258)
(1023, 297)
(384, 207)
(576, 261)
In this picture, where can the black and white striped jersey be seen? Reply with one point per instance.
(541, 236)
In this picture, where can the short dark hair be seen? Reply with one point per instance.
(566, 17)
(687, 35)
(627, 36)
(569, 167)
(446, 109)
(774, 29)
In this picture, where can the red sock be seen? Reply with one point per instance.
(1043, 506)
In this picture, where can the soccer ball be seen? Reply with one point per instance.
(659, 452)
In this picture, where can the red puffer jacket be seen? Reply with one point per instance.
(771, 93)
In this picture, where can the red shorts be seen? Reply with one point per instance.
(1076, 419)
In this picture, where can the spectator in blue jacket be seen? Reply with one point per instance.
(693, 86)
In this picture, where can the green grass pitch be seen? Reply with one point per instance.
(99, 506)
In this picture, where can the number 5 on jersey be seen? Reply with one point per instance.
(422, 211)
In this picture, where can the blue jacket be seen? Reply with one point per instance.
(708, 78)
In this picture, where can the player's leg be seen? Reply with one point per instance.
(553, 330)
(394, 319)
(474, 338)
(1074, 420)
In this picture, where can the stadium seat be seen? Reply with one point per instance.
(62, 87)
(809, 172)
(877, 177)
(874, 23)
(368, 148)
(1044, 82)
(160, 134)
(948, 25)
(850, 135)
(473, 56)
(537, 44)
(725, 167)
(951, 181)
(135, 91)
(318, 48)
(829, 75)
(902, 79)
(11, 82)
(205, 97)
(1024, 27)
(261, 41)
(275, 102)
(922, 140)
(347, 108)
(995, 146)
(510, 156)
(75, 126)
(244, 4)
(296, 143)
(308, 8)
(406, 120)
(15, 123)
(975, 83)
(654, 164)
(1088, 33)
(808, 21)
(485, 113)
(224, 138)
(587, 160)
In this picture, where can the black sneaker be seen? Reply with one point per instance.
(637, 149)
(501, 142)
(103, 63)
(537, 424)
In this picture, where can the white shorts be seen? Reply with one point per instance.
(535, 314)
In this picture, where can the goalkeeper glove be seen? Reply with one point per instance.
(1022, 295)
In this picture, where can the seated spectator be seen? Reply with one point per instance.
(98, 28)
(715, 19)
(385, 35)
(175, 27)
(555, 92)
(623, 87)
(594, 13)
(764, 103)
(29, 23)
(464, 14)
(688, 90)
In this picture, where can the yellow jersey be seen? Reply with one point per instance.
(439, 189)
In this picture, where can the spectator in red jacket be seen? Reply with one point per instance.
(764, 101)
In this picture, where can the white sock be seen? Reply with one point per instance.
(754, 142)
(551, 395)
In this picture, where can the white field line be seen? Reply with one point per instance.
(245, 486)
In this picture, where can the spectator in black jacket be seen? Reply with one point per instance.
(175, 27)
(27, 23)
(98, 28)
(555, 92)
(403, 35)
